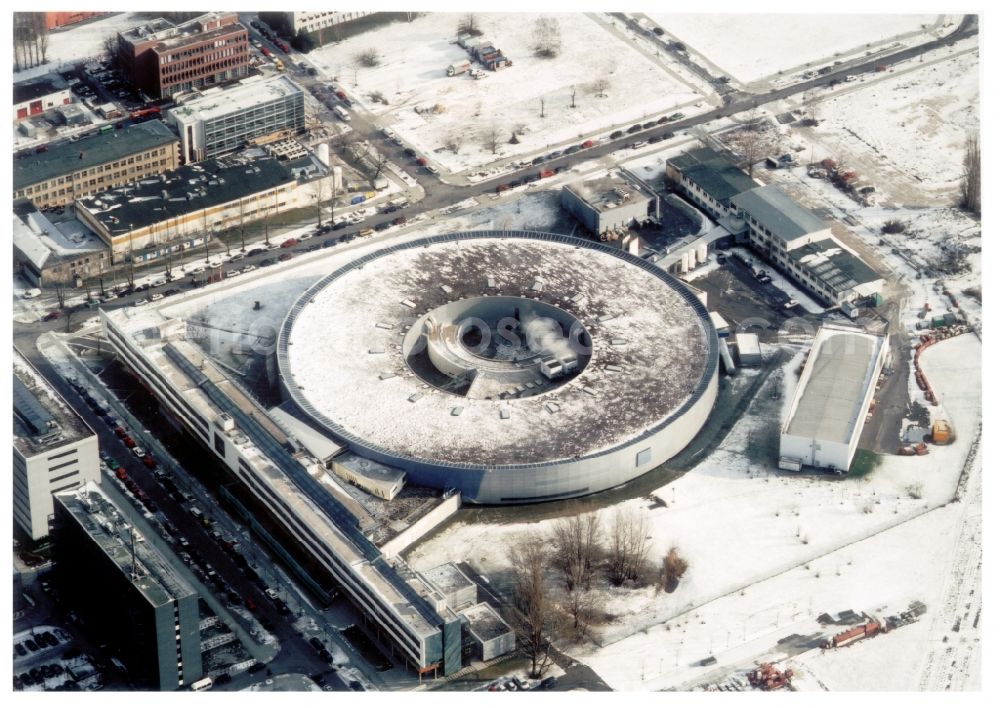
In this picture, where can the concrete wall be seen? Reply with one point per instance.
(564, 478)
(438, 515)
(504, 644)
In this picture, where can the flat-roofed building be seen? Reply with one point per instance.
(406, 613)
(223, 120)
(709, 178)
(54, 449)
(173, 210)
(35, 96)
(71, 170)
(454, 585)
(610, 202)
(45, 254)
(62, 19)
(831, 272)
(492, 637)
(832, 399)
(126, 591)
(311, 22)
(162, 59)
(381, 480)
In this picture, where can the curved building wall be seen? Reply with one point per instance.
(549, 479)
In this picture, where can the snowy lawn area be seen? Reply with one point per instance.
(411, 74)
(790, 519)
(752, 47)
(80, 43)
(925, 113)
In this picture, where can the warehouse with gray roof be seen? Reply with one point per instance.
(832, 399)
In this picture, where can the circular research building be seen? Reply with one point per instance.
(512, 366)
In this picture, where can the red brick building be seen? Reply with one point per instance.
(61, 19)
(162, 59)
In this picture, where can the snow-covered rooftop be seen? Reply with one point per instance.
(341, 356)
(831, 393)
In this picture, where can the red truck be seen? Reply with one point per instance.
(862, 631)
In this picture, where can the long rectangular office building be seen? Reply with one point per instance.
(406, 613)
(223, 120)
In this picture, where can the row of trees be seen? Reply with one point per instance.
(554, 577)
(31, 40)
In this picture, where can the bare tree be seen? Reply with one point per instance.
(243, 228)
(109, 45)
(367, 58)
(379, 161)
(628, 554)
(542, 101)
(674, 568)
(41, 36)
(318, 191)
(60, 289)
(752, 140)
(572, 101)
(600, 87)
(469, 24)
(492, 138)
(533, 613)
(546, 38)
(576, 547)
(971, 179)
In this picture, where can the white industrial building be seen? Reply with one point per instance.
(832, 399)
(610, 202)
(803, 246)
(492, 637)
(454, 585)
(54, 449)
(221, 120)
(375, 478)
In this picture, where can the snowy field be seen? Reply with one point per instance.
(411, 76)
(753, 47)
(925, 111)
(80, 43)
(792, 520)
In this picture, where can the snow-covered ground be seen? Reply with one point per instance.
(411, 75)
(925, 113)
(752, 47)
(82, 42)
(774, 529)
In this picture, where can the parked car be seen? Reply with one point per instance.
(139, 451)
(329, 242)
(285, 257)
(634, 129)
(289, 243)
(616, 134)
(54, 315)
